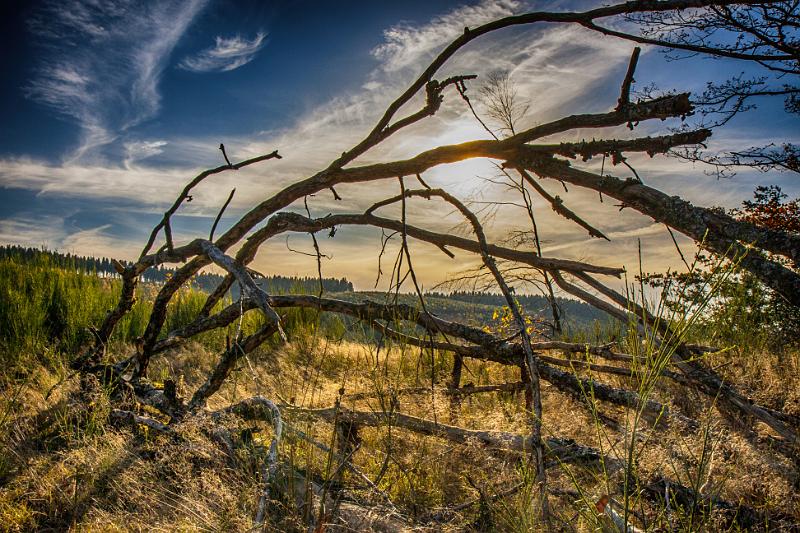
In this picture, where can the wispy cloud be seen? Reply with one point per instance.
(96, 241)
(406, 45)
(138, 150)
(559, 69)
(148, 186)
(228, 53)
(44, 231)
(101, 66)
(52, 232)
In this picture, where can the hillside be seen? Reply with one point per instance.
(481, 308)
(474, 307)
(73, 457)
(205, 281)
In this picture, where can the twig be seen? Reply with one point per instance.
(222, 147)
(558, 206)
(677, 247)
(184, 195)
(625, 91)
(219, 215)
(133, 419)
(245, 282)
(270, 470)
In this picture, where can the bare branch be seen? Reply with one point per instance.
(558, 206)
(625, 92)
(716, 230)
(184, 195)
(219, 215)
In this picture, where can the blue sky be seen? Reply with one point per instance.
(107, 111)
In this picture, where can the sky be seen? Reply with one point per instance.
(108, 108)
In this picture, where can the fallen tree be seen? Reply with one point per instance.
(518, 153)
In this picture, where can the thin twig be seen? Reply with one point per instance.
(219, 215)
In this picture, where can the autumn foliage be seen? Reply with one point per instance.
(770, 210)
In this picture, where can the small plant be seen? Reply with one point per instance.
(504, 324)
(743, 310)
(654, 333)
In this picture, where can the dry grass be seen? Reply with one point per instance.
(64, 467)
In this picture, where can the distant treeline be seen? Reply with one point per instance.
(41, 256)
(573, 310)
(103, 266)
(531, 302)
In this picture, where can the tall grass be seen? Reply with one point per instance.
(46, 312)
(328, 357)
(652, 350)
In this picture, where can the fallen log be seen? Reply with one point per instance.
(560, 451)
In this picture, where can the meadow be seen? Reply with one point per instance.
(66, 463)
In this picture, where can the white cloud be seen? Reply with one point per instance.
(145, 185)
(97, 241)
(408, 46)
(559, 69)
(228, 53)
(101, 66)
(37, 231)
(322, 133)
(138, 150)
(52, 233)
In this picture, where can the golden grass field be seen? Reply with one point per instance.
(64, 466)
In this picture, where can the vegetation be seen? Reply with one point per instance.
(129, 404)
(108, 477)
(744, 310)
(205, 281)
(49, 302)
(48, 312)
